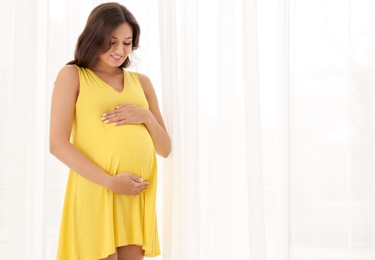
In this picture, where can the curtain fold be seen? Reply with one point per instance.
(180, 106)
(284, 208)
(216, 204)
(169, 72)
(21, 151)
(190, 141)
(253, 130)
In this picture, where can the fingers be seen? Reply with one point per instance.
(128, 184)
(122, 122)
(124, 114)
(116, 110)
(109, 118)
(121, 106)
(117, 118)
(141, 187)
(141, 190)
(112, 114)
(140, 184)
(137, 179)
(138, 188)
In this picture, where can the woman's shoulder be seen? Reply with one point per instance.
(144, 80)
(142, 76)
(69, 70)
(68, 75)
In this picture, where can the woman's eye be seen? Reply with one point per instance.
(113, 43)
(127, 43)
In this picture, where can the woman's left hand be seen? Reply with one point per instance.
(126, 114)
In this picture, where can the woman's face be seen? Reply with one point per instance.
(121, 46)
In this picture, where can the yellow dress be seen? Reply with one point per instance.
(95, 220)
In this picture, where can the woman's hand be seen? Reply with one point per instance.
(126, 184)
(126, 114)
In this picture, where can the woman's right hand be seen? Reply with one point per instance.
(126, 184)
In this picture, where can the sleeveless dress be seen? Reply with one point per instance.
(95, 220)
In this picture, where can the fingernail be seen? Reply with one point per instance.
(104, 114)
(141, 179)
(106, 121)
(103, 118)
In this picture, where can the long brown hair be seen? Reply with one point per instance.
(95, 38)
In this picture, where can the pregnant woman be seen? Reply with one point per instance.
(106, 126)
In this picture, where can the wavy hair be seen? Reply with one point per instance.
(95, 38)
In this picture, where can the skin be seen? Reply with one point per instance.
(131, 252)
(64, 96)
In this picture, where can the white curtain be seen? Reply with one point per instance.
(212, 182)
(270, 106)
(332, 128)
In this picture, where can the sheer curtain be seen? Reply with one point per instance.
(308, 132)
(270, 106)
(212, 182)
(332, 129)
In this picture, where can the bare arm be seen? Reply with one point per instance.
(154, 122)
(64, 97)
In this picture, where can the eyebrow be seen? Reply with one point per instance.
(125, 38)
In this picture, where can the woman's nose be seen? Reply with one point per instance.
(119, 49)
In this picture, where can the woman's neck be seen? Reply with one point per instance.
(106, 69)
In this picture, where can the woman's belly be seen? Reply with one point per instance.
(115, 149)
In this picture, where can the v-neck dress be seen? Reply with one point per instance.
(95, 220)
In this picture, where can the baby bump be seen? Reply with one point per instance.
(127, 148)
